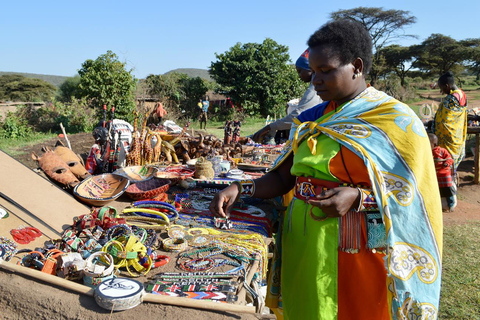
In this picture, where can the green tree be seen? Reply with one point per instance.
(19, 88)
(106, 81)
(193, 90)
(165, 88)
(69, 89)
(439, 53)
(399, 60)
(384, 27)
(257, 76)
(473, 55)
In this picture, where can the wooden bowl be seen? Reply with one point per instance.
(100, 189)
(175, 174)
(137, 173)
(147, 189)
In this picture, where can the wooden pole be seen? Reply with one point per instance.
(248, 280)
(42, 276)
(476, 160)
(199, 304)
(65, 135)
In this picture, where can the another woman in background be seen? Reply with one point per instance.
(362, 238)
(451, 118)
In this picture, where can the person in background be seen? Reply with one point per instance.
(362, 237)
(204, 105)
(309, 99)
(450, 124)
(161, 112)
(444, 168)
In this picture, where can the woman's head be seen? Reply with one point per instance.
(340, 54)
(303, 69)
(446, 82)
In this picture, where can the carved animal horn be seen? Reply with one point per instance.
(35, 157)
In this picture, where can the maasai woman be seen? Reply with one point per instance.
(451, 118)
(362, 237)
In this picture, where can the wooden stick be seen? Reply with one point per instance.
(248, 280)
(67, 284)
(476, 161)
(199, 304)
(65, 135)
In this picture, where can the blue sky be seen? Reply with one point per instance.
(153, 37)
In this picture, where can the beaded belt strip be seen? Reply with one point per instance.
(159, 286)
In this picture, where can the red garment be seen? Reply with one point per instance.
(91, 163)
(461, 97)
(443, 166)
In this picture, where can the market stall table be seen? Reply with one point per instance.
(476, 166)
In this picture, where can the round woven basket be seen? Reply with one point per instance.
(204, 169)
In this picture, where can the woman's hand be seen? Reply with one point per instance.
(336, 202)
(223, 201)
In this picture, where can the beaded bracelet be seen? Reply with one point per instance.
(247, 187)
(176, 231)
(118, 230)
(147, 213)
(160, 205)
(92, 269)
(199, 264)
(200, 240)
(140, 233)
(8, 249)
(175, 244)
(133, 221)
(198, 251)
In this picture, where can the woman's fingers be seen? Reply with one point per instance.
(216, 206)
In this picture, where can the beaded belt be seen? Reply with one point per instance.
(308, 187)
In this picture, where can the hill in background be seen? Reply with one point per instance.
(192, 73)
(55, 80)
(58, 80)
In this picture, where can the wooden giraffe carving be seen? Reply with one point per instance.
(134, 156)
(147, 148)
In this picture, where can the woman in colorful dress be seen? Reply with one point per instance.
(451, 118)
(362, 237)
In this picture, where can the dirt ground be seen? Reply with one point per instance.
(23, 298)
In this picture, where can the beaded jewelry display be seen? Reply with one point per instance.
(175, 244)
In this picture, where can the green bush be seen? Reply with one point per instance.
(14, 127)
(391, 85)
(75, 117)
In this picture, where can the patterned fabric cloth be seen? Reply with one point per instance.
(451, 125)
(391, 141)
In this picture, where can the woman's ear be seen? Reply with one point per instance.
(358, 65)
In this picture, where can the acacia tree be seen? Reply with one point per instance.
(473, 55)
(439, 53)
(106, 81)
(257, 76)
(384, 27)
(399, 60)
(19, 88)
